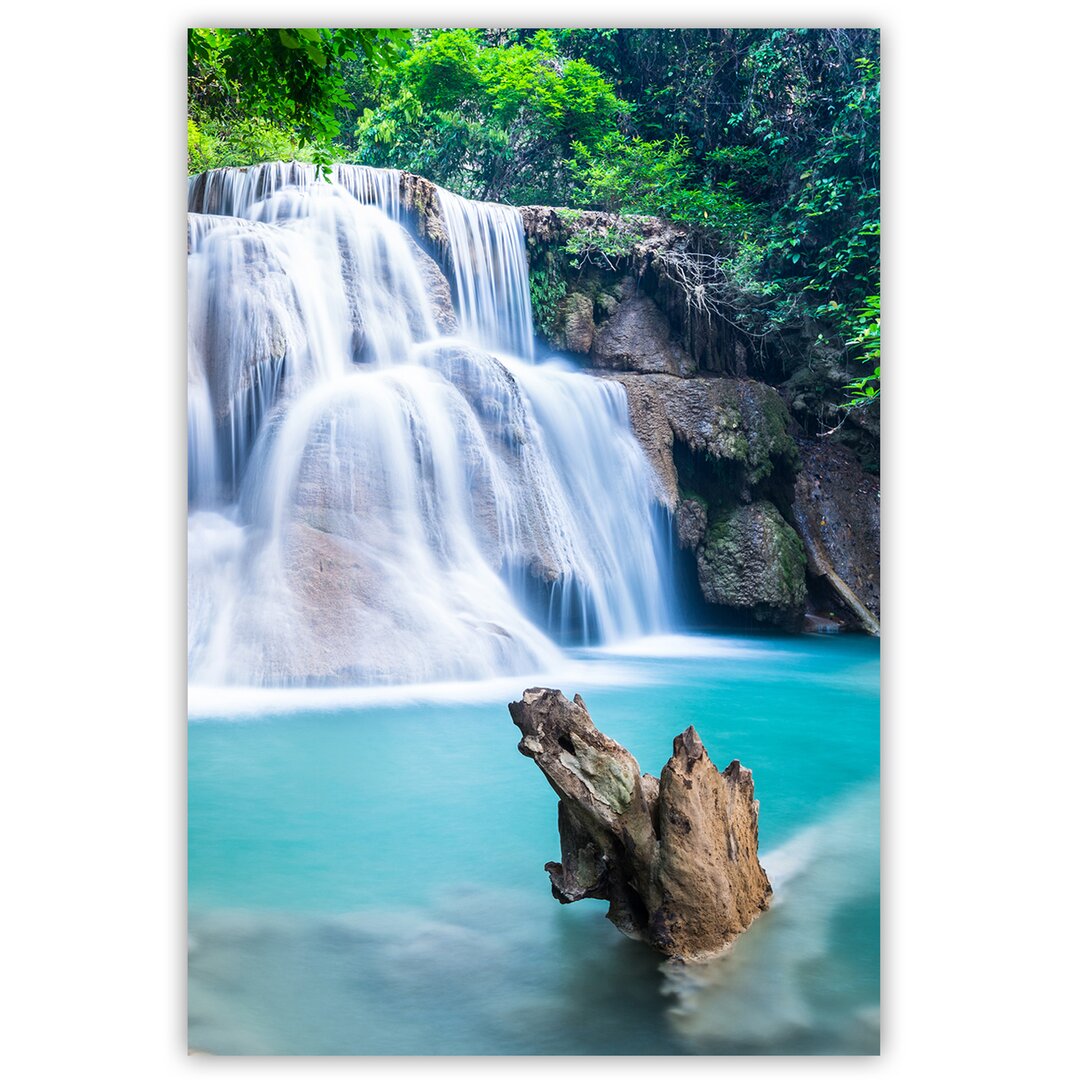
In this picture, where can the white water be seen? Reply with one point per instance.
(487, 243)
(371, 502)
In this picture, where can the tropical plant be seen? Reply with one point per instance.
(247, 80)
(492, 122)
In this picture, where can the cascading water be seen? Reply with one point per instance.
(487, 243)
(371, 500)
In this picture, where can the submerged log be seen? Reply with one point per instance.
(676, 858)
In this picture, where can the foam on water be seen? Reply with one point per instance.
(246, 702)
(668, 646)
(767, 989)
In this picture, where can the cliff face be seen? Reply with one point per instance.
(837, 514)
(675, 857)
(773, 534)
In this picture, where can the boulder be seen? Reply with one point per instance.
(752, 560)
(675, 858)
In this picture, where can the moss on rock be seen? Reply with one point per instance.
(574, 327)
(752, 560)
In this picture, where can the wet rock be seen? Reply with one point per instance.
(691, 523)
(574, 328)
(752, 560)
(420, 200)
(676, 858)
(637, 337)
(244, 362)
(738, 423)
(437, 289)
(837, 513)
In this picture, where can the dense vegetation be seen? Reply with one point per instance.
(765, 141)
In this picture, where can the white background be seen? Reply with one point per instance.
(979, 507)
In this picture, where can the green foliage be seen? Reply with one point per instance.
(778, 131)
(547, 286)
(867, 340)
(490, 122)
(288, 79)
(603, 245)
(832, 223)
(746, 166)
(638, 177)
(764, 141)
(213, 144)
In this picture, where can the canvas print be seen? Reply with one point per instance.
(533, 541)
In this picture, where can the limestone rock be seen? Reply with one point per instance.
(753, 560)
(813, 393)
(245, 363)
(676, 859)
(420, 199)
(645, 236)
(637, 337)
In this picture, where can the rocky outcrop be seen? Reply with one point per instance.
(691, 523)
(667, 262)
(814, 391)
(724, 460)
(837, 514)
(676, 858)
(637, 337)
(753, 561)
(420, 200)
(720, 443)
(737, 423)
(641, 237)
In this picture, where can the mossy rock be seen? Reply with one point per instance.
(753, 560)
(574, 327)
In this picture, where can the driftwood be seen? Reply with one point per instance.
(676, 858)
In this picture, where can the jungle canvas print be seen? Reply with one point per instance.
(533, 541)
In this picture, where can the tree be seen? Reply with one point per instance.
(291, 80)
(489, 121)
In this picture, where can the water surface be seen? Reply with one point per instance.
(366, 875)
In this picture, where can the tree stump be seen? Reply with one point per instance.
(676, 858)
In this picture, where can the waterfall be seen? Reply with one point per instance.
(491, 272)
(234, 192)
(373, 500)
